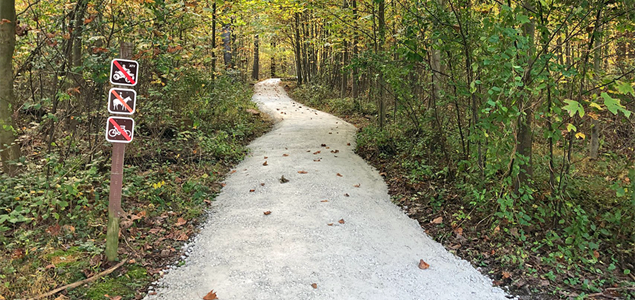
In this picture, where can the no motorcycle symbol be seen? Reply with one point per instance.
(124, 72)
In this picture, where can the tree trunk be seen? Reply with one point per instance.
(524, 135)
(273, 59)
(382, 39)
(355, 86)
(227, 45)
(256, 69)
(597, 65)
(298, 51)
(9, 148)
(213, 40)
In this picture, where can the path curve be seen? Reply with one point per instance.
(243, 254)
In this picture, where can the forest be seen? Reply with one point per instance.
(504, 127)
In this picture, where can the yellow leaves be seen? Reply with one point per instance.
(158, 184)
(595, 105)
(580, 135)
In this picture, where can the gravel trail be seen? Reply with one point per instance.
(332, 224)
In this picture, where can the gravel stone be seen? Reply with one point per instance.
(242, 254)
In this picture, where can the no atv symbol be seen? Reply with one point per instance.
(124, 72)
(122, 101)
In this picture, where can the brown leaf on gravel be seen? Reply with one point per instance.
(423, 265)
(324, 201)
(266, 157)
(341, 221)
(267, 213)
(335, 151)
(347, 195)
(283, 180)
(180, 222)
(317, 160)
(252, 190)
(317, 152)
(232, 172)
(262, 184)
(285, 155)
(506, 274)
(314, 285)
(223, 184)
(323, 145)
(210, 296)
(438, 220)
(339, 175)
(207, 202)
(302, 172)
(330, 224)
(348, 144)
(357, 185)
(265, 163)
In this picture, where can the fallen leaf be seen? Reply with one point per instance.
(357, 185)
(302, 172)
(347, 195)
(458, 231)
(317, 152)
(251, 191)
(210, 296)
(341, 221)
(317, 160)
(285, 154)
(265, 163)
(262, 184)
(348, 144)
(330, 224)
(283, 180)
(596, 254)
(323, 145)
(314, 285)
(324, 201)
(207, 202)
(335, 151)
(267, 213)
(232, 172)
(223, 184)
(51, 266)
(497, 230)
(438, 220)
(340, 175)
(423, 265)
(266, 157)
(506, 274)
(180, 222)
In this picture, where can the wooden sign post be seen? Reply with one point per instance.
(124, 72)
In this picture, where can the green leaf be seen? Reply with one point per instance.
(571, 127)
(625, 88)
(522, 19)
(614, 105)
(572, 107)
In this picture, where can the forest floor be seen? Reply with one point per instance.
(303, 217)
(468, 235)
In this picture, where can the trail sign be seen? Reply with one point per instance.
(119, 130)
(124, 72)
(122, 101)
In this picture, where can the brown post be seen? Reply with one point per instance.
(116, 181)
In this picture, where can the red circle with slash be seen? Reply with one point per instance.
(119, 130)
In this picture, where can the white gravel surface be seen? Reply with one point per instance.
(243, 254)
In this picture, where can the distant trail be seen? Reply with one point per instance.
(373, 253)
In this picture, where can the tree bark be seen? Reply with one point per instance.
(9, 148)
(298, 51)
(273, 59)
(597, 65)
(213, 40)
(227, 45)
(256, 69)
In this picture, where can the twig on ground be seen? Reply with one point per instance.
(78, 283)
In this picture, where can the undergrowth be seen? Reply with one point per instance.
(572, 245)
(53, 215)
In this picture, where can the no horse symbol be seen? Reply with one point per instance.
(124, 72)
(122, 101)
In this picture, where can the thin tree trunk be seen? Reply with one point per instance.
(214, 40)
(595, 125)
(298, 51)
(273, 59)
(256, 69)
(227, 45)
(9, 148)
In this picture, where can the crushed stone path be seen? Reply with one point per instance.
(332, 232)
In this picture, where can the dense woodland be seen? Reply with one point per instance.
(504, 127)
